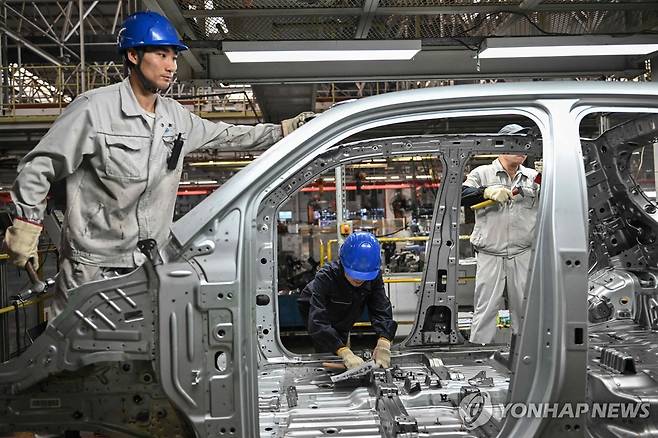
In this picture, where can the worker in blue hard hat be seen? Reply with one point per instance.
(337, 296)
(119, 149)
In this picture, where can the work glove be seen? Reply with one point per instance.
(382, 353)
(289, 125)
(539, 165)
(21, 241)
(350, 359)
(498, 193)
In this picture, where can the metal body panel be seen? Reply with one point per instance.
(207, 335)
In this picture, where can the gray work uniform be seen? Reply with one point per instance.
(502, 238)
(113, 157)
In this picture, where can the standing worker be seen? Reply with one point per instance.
(502, 237)
(335, 299)
(118, 149)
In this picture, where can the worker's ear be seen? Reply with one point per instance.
(132, 56)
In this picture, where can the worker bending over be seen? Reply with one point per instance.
(502, 237)
(119, 149)
(335, 299)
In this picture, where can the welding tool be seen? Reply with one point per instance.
(516, 189)
(38, 286)
(355, 373)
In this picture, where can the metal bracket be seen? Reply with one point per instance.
(149, 247)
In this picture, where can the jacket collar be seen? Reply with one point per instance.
(525, 171)
(129, 104)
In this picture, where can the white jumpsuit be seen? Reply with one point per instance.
(502, 238)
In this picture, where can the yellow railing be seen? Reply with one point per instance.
(27, 303)
(327, 248)
(46, 90)
(40, 93)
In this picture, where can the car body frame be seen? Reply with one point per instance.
(184, 344)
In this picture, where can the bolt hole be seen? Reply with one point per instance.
(220, 295)
(263, 261)
(568, 262)
(266, 331)
(221, 333)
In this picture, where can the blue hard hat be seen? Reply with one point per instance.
(360, 256)
(148, 28)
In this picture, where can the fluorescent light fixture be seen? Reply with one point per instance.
(222, 163)
(368, 166)
(548, 47)
(318, 51)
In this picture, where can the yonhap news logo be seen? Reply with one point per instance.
(476, 409)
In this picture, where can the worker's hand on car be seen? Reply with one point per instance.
(382, 353)
(350, 359)
(289, 125)
(539, 165)
(21, 241)
(498, 193)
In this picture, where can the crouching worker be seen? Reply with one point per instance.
(335, 299)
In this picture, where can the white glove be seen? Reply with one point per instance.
(350, 359)
(382, 353)
(539, 165)
(498, 193)
(289, 125)
(21, 241)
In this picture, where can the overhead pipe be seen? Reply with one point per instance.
(83, 76)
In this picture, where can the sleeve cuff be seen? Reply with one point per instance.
(30, 221)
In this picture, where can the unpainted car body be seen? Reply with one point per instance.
(188, 344)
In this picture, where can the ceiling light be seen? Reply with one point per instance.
(368, 166)
(223, 163)
(308, 51)
(559, 46)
